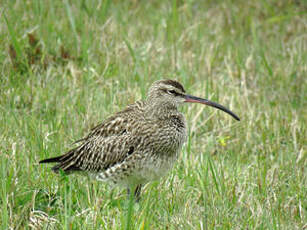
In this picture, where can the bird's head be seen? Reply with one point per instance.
(172, 92)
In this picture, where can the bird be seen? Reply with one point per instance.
(137, 145)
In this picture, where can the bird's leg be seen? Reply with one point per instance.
(128, 192)
(137, 192)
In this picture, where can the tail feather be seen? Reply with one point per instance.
(65, 162)
(51, 160)
(67, 170)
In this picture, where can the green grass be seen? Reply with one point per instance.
(89, 59)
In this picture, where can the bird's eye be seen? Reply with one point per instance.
(172, 92)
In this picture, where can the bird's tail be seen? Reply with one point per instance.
(65, 162)
(51, 160)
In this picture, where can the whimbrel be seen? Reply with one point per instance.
(138, 144)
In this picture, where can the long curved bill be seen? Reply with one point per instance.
(193, 99)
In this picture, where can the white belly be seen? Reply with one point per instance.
(155, 168)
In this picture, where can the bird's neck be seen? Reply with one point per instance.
(160, 109)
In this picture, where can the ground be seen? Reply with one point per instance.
(67, 65)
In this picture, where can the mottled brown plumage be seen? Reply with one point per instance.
(136, 145)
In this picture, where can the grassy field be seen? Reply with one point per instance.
(67, 65)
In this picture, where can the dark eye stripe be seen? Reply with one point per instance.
(172, 92)
(175, 93)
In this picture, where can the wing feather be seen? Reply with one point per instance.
(107, 144)
(118, 124)
(96, 155)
